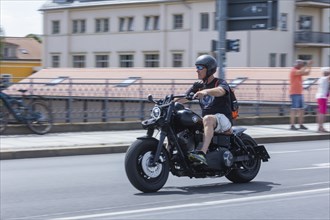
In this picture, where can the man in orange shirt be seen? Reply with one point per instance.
(300, 69)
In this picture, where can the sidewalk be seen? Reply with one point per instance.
(84, 143)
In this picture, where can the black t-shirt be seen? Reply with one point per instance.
(210, 104)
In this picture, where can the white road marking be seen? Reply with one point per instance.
(313, 167)
(313, 184)
(298, 151)
(216, 202)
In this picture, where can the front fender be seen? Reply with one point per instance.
(147, 138)
(139, 140)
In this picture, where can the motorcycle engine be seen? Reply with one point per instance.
(186, 140)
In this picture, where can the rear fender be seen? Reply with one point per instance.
(238, 131)
(262, 153)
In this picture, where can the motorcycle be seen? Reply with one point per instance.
(149, 160)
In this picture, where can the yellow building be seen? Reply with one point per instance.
(20, 58)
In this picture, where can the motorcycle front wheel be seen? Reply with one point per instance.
(141, 172)
(246, 170)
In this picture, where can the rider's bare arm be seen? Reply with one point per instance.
(218, 91)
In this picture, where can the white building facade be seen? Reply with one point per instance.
(172, 33)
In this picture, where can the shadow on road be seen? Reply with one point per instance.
(225, 188)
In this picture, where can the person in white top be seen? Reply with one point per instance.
(322, 97)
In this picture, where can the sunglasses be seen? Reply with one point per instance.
(200, 67)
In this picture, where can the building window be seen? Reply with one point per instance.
(272, 60)
(79, 61)
(284, 22)
(305, 57)
(178, 21)
(126, 60)
(55, 27)
(102, 61)
(55, 61)
(151, 60)
(147, 21)
(130, 24)
(151, 23)
(204, 21)
(305, 23)
(9, 52)
(101, 25)
(126, 24)
(121, 24)
(156, 23)
(79, 26)
(177, 59)
(283, 60)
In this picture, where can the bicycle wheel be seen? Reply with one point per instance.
(39, 118)
(4, 117)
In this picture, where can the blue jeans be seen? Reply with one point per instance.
(297, 101)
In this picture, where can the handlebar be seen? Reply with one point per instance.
(169, 98)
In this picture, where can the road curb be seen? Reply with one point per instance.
(121, 148)
(19, 129)
(63, 151)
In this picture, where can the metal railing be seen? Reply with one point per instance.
(106, 100)
(312, 37)
(314, 1)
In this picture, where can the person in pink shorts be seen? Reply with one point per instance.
(322, 97)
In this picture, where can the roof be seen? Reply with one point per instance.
(60, 4)
(27, 48)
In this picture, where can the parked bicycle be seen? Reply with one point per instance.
(35, 113)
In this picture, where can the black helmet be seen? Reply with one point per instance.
(209, 62)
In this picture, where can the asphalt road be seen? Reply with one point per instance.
(294, 184)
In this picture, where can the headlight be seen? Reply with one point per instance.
(156, 112)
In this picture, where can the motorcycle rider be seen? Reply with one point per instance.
(213, 94)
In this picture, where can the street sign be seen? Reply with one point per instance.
(252, 15)
(231, 45)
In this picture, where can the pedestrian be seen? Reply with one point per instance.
(301, 68)
(322, 97)
(214, 99)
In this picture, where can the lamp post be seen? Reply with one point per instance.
(221, 6)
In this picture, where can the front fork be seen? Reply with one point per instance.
(162, 137)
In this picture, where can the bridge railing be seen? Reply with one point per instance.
(104, 100)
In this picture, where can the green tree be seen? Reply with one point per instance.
(34, 36)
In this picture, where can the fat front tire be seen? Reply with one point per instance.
(246, 170)
(142, 174)
(39, 118)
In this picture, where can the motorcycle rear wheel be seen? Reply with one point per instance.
(247, 170)
(141, 173)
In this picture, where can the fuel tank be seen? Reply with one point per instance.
(186, 118)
